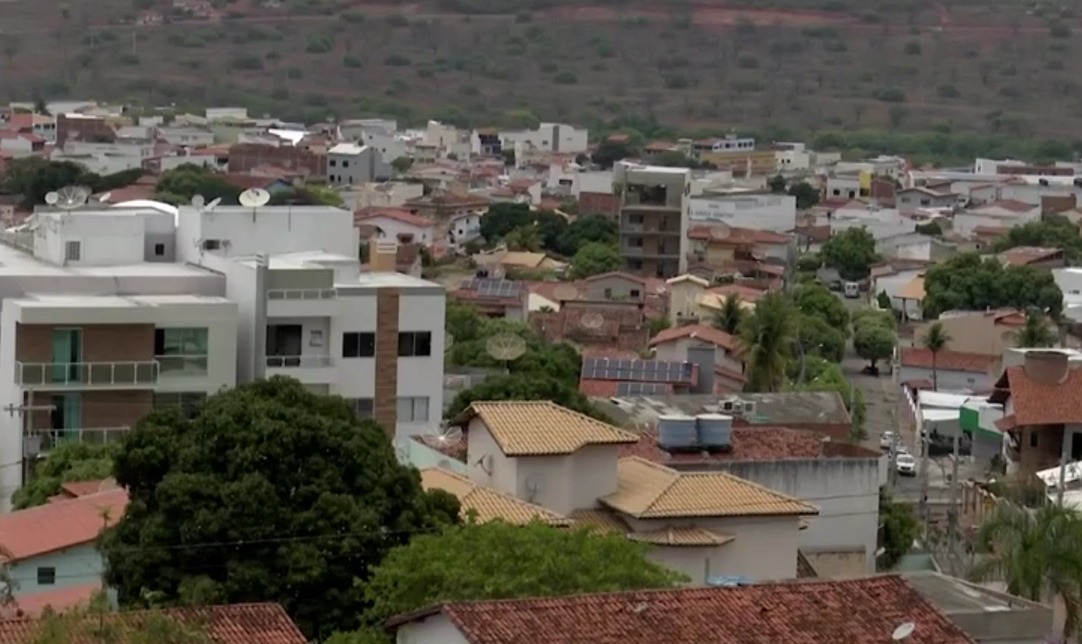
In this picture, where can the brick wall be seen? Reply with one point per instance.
(101, 342)
(99, 409)
(386, 393)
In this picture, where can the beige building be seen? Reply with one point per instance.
(537, 459)
(978, 332)
(653, 219)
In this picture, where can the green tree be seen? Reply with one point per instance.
(851, 252)
(824, 375)
(767, 337)
(301, 498)
(806, 194)
(777, 184)
(730, 315)
(968, 282)
(608, 152)
(819, 338)
(817, 301)
(899, 526)
(809, 262)
(873, 342)
(308, 195)
(935, 340)
(66, 463)
(552, 228)
(586, 229)
(524, 238)
(402, 165)
(1052, 231)
(594, 258)
(179, 185)
(497, 560)
(884, 301)
(502, 218)
(1034, 551)
(1037, 332)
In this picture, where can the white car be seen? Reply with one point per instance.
(886, 441)
(905, 464)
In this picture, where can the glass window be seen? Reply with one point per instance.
(413, 409)
(362, 407)
(181, 350)
(46, 576)
(414, 343)
(358, 345)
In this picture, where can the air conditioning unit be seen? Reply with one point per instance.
(727, 405)
(749, 407)
(733, 405)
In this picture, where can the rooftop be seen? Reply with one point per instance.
(751, 444)
(922, 358)
(1040, 403)
(48, 301)
(489, 504)
(1024, 255)
(853, 611)
(16, 263)
(702, 332)
(55, 526)
(647, 490)
(1010, 205)
(542, 428)
(777, 409)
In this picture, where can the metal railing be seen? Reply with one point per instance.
(301, 293)
(306, 361)
(170, 366)
(86, 374)
(51, 438)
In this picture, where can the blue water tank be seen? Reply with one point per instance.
(715, 431)
(677, 433)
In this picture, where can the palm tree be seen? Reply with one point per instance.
(730, 315)
(1036, 332)
(935, 340)
(1033, 551)
(766, 337)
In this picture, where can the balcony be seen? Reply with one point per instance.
(312, 369)
(87, 375)
(301, 302)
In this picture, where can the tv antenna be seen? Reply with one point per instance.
(903, 631)
(506, 346)
(212, 205)
(443, 437)
(565, 292)
(592, 321)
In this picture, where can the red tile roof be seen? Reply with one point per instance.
(1039, 403)
(759, 443)
(623, 327)
(921, 358)
(853, 611)
(364, 216)
(1011, 205)
(626, 276)
(608, 388)
(991, 231)
(814, 233)
(54, 526)
(746, 293)
(235, 624)
(702, 332)
(76, 489)
(1024, 255)
(733, 235)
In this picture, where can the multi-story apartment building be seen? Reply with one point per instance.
(653, 218)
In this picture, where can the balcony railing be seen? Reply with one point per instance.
(307, 361)
(51, 438)
(173, 366)
(301, 294)
(86, 374)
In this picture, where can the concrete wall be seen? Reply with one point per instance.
(488, 465)
(566, 483)
(272, 229)
(958, 381)
(76, 566)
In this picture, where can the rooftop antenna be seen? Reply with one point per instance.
(566, 292)
(105, 197)
(903, 632)
(71, 197)
(254, 198)
(443, 437)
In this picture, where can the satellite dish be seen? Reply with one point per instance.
(71, 197)
(198, 201)
(105, 197)
(213, 204)
(903, 631)
(52, 198)
(254, 198)
(565, 292)
(506, 346)
(592, 321)
(443, 437)
(719, 232)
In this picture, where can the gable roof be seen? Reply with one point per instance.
(542, 428)
(489, 504)
(63, 524)
(647, 490)
(922, 358)
(1039, 403)
(852, 611)
(620, 274)
(702, 332)
(688, 277)
(364, 216)
(234, 624)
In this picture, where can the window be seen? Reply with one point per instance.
(187, 402)
(159, 250)
(362, 407)
(634, 292)
(1032, 438)
(413, 409)
(333, 163)
(608, 294)
(414, 343)
(212, 244)
(181, 351)
(345, 164)
(72, 251)
(46, 576)
(358, 345)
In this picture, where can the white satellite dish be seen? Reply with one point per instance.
(51, 198)
(212, 205)
(592, 321)
(443, 437)
(903, 631)
(254, 198)
(198, 201)
(71, 197)
(506, 346)
(105, 197)
(565, 292)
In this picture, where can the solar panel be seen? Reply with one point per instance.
(655, 371)
(641, 389)
(491, 287)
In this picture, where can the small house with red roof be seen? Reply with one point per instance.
(955, 371)
(396, 224)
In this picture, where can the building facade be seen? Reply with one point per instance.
(653, 219)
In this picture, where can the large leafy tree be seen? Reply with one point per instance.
(819, 338)
(594, 258)
(268, 493)
(767, 337)
(1051, 231)
(502, 218)
(66, 463)
(968, 282)
(899, 527)
(179, 185)
(816, 300)
(33, 177)
(586, 229)
(873, 342)
(851, 252)
(819, 374)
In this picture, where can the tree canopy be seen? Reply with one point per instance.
(816, 300)
(306, 195)
(179, 185)
(968, 282)
(595, 258)
(505, 221)
(1050, 232)
(851, 252)
(767, 337)
(66, 463)
(269, 492)
(33, 177)
(900, 527)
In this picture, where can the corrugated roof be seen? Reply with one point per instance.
(63, 524)
(487, 503)
(647, 490)
(537, 428)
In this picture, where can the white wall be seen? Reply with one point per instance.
(390, 228)
(881, 223)
(104, 239)
(502, 475)
(11, 430)
(966, 222)
(567, 482)
(422, 376)
(436, 629)
(271, 229)
(759, 212)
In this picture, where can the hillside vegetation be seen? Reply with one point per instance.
(805, 64)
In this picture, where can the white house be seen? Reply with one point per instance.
(397, 224)
(1002, 213)
(548, 137)
(758, 211)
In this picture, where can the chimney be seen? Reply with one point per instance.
(382, 256)
(1046, 367)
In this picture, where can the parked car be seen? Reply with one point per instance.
(886, 441)
(905, 464)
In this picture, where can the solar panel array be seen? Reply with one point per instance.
(490, 287)
(643, 389)
(636, 370)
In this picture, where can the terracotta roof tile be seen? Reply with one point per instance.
(489, 504)
(85, 488)
(601, 521)
(235, 624)
(733, 235)
(54, 526)
(702, 332)
(607, 388)
(684, 536)
(1038, 403)
(946, 360)
(1011, 205)
(852, 611)
(647, 490)
(745, 293)
(991, 231)
(365, 216)
(1024, 255)
(535, 428)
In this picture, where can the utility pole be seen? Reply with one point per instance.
(25, 411)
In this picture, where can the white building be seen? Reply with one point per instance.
(351, 164)
(548, 137)
(756, 211)
(997, 214)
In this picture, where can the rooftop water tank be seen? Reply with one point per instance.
(677, 433)
(715, 431)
